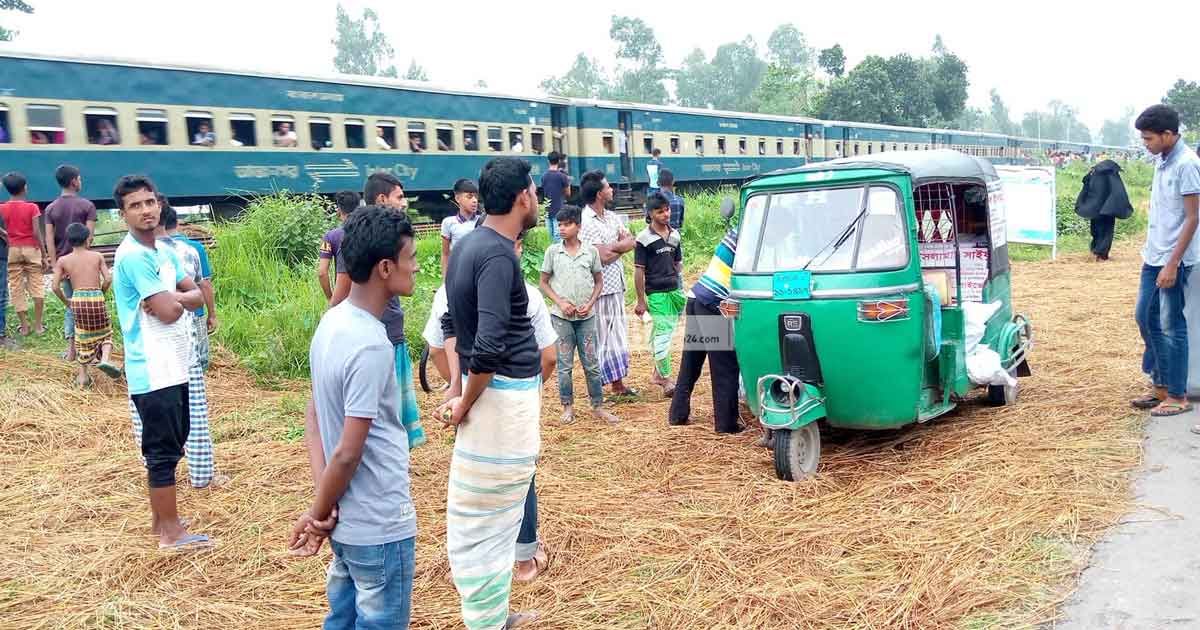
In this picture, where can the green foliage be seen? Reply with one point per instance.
(361, 47)
(640, 73)
(1119, 131)
(1060, 121)
(1184, 96)
(788, 48)
(7, 35)
(833, 61)
(585, 79)
(901, 90)
(947, 76)
(416, 72)
(999, 120)
(785, 91)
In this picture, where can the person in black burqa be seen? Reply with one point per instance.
(1102, 201)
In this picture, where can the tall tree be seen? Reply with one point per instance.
(585, 79)
(863, 95)
(7, 35)
(640, 73)
(1184, 96)
(695, 81)
(998, 119)
(948, 79)
(416, 72)
(1058, 121)
(971, 119)
(788, 47)
(833, 61)
(785, 91)
(361, 47)
(1118, 132)
(737, 72)
(912, 92)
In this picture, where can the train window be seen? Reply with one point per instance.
(762, 146)
(5, 128)
(856, 147)
(385, 134)
(320, 132)
(795, 147)
(471, 138)
(779, 147)
(152, 126)
(869, 148)
(242, 132)
(882, 148)
(906, 147)
(674, 144)
(100, 123)
(607, 141)
(200, 129)
(416, 137)
(742, 146)
(283, 131)
(837, 148)
(445, 137)
(647, 143)
(537, 140)
(45, 124)
(356, 133)
(495, 139)
(721, 146)
(516, 140)
(699, 145)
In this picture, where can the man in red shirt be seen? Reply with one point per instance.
(25, 279)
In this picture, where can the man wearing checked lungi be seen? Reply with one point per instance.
(495, 398)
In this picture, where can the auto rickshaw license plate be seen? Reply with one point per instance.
(793, 285)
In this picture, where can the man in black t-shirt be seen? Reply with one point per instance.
(556, 186)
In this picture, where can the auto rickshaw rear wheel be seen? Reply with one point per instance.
(797, 452)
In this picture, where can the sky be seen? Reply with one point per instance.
(1098, 60)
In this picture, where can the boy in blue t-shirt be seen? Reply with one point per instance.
(153, 295)
(358, 444)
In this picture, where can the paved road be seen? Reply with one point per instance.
(1145, 573)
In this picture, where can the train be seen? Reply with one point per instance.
(220, 136)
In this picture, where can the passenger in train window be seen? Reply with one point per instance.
(415, 143)
(106, 132)
(38, 137)
(380, 141)
(205, 136)
(3, 134)
(284, 135)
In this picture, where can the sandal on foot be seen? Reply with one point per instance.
(541, 562)
(1149, 401)
(1170, 409)
(110, 369)
(516, 620)
(191, 542)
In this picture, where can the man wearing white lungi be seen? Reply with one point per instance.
(495, 398)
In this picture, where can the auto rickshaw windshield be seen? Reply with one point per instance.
(823, 230)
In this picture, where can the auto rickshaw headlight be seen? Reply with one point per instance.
(883, 310)
(730, 308)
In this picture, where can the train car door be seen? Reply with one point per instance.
(558, 128)
(808, 143)
(625, 142)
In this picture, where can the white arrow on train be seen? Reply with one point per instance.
(320, 172)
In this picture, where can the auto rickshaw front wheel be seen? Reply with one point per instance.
(797, 452)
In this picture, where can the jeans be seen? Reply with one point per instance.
(68, 318)
(552, 226)
(1166, 355)
(527, 539)
(579, 334)
(370, 586)
(4, 295)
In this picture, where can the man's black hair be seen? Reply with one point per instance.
(590, 186)
(570, 214)
(346, 200)
(168, 217)
(14, 183)
(666, 177)
(373, 233)
(554, 157)
(380, 183)
(128, 184)
(65, 174)
(654, 201)
(465, 185)
(656, 152)
(501, 181)
(1158, 119)
(77, 234)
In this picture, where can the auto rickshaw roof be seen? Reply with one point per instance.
(938, 164)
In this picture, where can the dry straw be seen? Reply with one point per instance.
(974, 520)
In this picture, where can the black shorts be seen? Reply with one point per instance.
(165, 427)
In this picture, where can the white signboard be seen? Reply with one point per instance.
(1029, 201)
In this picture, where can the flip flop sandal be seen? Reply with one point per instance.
(1170, 409)
(110, 369)
(191, 542)
(516, 620)
(540, 565)
(1149, 401)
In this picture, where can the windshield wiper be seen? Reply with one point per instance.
(840, 239)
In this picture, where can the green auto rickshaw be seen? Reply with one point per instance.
(871, 293)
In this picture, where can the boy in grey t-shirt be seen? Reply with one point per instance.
(358, 446)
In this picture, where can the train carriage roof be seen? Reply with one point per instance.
(922, 166)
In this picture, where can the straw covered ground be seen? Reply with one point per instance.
(977, 520)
